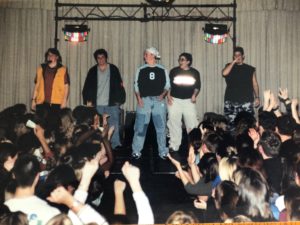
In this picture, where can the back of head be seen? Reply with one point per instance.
(62, 175)
(7, 150)
(253, 192)
(208, 166)
(14, 218)
(84, 115)
(25, 170)
(267, 120)
(243, 121)
(226, 198)
(60, 219)
(294, 214)
(180, 217)
(238, 219)
(227, 167)
(28, 142)
(243, 141)
(215, 143)
(270, 141)
(195, 138)
(286, 125)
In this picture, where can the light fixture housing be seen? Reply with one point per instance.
(215, 33)
(76, 33)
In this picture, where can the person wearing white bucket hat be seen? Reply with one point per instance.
(151, 86)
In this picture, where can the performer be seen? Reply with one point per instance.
(51, 89)
(103, 89)
(242, 91)
(185, 87)
(151, 86)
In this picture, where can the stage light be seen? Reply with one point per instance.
(160, 2)
(76, 33)
(215, 33)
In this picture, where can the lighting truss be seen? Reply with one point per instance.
(146, 12)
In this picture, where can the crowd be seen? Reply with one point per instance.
(55, 162)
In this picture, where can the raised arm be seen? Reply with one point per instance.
(228, 68)
(294, 110)
(132, 174)
(119, 187)
(194, 168)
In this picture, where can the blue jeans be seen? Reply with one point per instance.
(113, 120)
(158, 110)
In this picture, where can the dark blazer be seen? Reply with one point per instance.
(117, 94)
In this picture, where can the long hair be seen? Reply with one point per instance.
(253, 192)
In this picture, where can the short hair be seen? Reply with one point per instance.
(62, 175)
(25, 170)
(267, 120)
(271, 142)
(195, 138)
(243, 121)
(188, 57)
(55, 52)
(286, 125)
(181, 217)
(215, 143)
(100, 52)
(7, 150)
(239, 49)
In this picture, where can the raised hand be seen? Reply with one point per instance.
(283, 93)
(192, 157)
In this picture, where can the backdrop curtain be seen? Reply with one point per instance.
(268, 30)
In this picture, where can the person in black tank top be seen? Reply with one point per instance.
(242, 90)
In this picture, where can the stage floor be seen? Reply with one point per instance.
(165, 191)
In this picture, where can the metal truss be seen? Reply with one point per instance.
(145, 13)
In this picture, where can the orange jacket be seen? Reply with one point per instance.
(58, 87)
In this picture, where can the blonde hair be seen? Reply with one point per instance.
(60, 219)
(227, 167)
(238, 219)
(180, 217)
